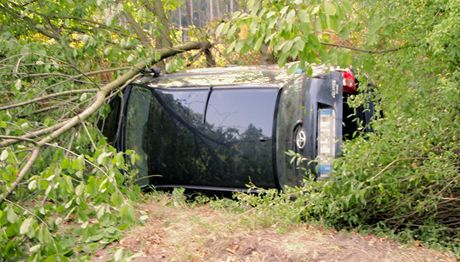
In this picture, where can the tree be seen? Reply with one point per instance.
(404, 177)
(61, 61)
(59, 65)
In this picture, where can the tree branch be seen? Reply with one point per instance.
(364, 50)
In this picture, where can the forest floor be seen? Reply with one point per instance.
(203, 233)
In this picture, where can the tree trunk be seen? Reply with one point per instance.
(211, 10)
(179, 11)
(218, 9)
(190, 12)
(157, 9)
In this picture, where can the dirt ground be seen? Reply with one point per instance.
(201, 233)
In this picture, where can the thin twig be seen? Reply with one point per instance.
(364, 50)
(392, 163)
(16, 68)
(50, 108)
(72, 137)
(14, 139)
(89, 135)
(38, 99)
(20, 138)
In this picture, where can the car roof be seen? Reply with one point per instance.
(234, 76)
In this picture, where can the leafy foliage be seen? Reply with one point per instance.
(80, 193)
(403, 178)
(292, 30)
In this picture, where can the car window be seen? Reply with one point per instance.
(188, 103)
(137, 116)
(161, 126)
(242, 110)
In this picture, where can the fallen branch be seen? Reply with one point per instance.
(98, 102)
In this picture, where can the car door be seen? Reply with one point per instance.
(164, 126)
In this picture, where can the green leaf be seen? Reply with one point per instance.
(11, 215)
(35, 248)
(94, 238)
(44, 235)
(304, 16)
(220, 28)
(118, 254)
(116, 199)
(258, 44)
(78, 163)
(292, 68)
(4, 155)
(79, 190)
(332, 22)
(118, 160)
(32, 185)
(239, 45)
(287, 47)
(329, 8)
(290, 16)
(347, 6)
(18, 84)
(102, 156)
(26, 226)
(299, 43)
(100, 211)
(232, 30)
(127, 212)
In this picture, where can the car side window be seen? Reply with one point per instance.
(189, 104)
(242, 111)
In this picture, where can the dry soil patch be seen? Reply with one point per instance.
(202, 234)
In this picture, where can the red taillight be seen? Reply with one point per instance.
(349, 82)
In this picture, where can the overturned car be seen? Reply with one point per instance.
(225, 128)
